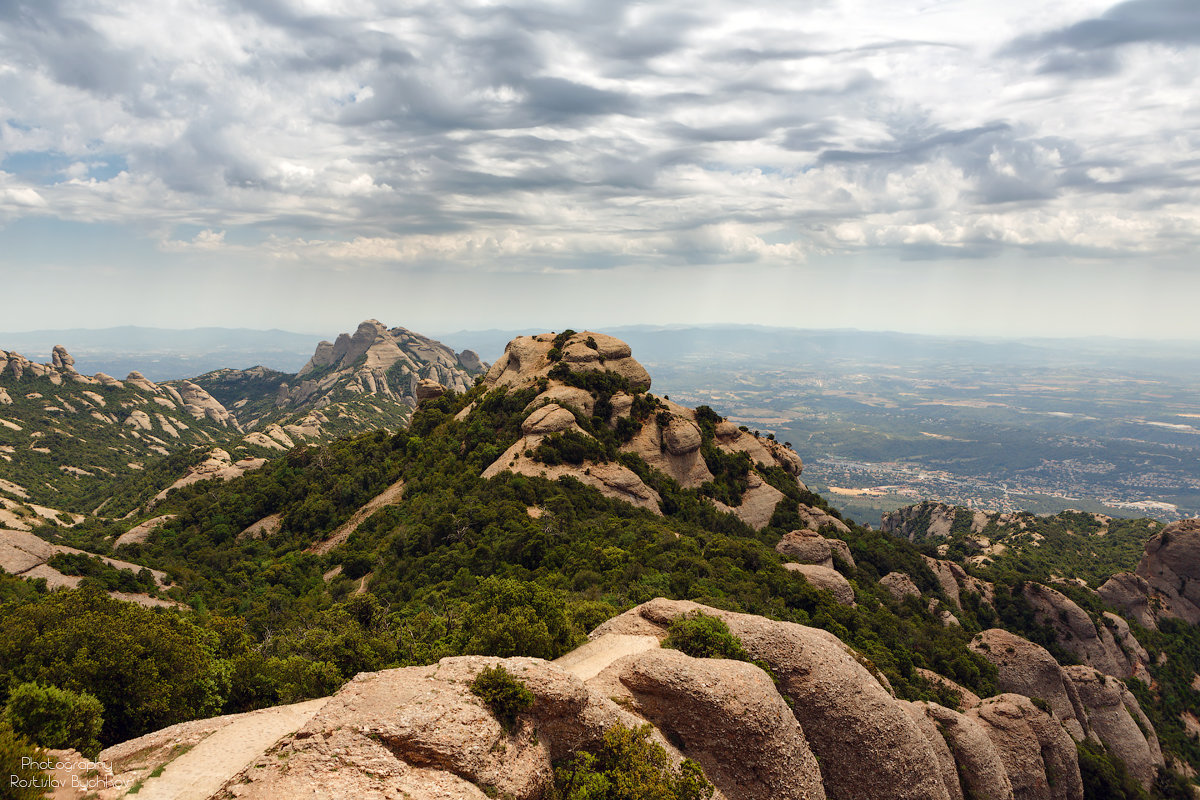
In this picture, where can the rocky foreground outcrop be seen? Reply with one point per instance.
(1167, 581)
(824, 728)
(668, 437)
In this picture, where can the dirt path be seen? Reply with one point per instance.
(387, 497)
(590, 660)
(199, 772)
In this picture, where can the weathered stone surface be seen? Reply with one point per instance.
(61, 359)
(1093, 644)
(470, 361)
(955, 581)
(565, 395)
(1171, 566)
(826, 578)
(928, 520)
(868, 747)
(899, 585)
(983, 773)
(966, 698)
(669, 451)
(758, 503)
(1028, 669)
(730, 718)
(551, 418)
(816, 519)
(1111, 710)
(528, 357)
(1130, 593)
(140, 533)
(947, 767)
(1037, 753)
(429, 390)
(809, 547)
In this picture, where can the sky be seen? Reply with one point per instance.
(1025, 168)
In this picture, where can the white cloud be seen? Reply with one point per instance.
(552, 136)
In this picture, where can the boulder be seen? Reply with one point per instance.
(1118, 721)
(947, 766)
(527, 358)
(1093, 644)
(469, 360)
(728, 716)
(1028, 669)
(61, 359)
(565, 395)
(816, 519)
(551, 418)
(673, 449)
(828, 579)
(1130, 593)
(955, 581)
(1038, 755)
(809, 547)
(681, 436)
(429, 390)
(983, 774)
(867, 745)
(1171, 566)
(899, 586)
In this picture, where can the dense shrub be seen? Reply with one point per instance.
(628, 766)
(504, 695)
(56, 718)
(704, 636)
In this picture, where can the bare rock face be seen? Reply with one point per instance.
(816, 519)
(758, 503)
(947, 766)
(809, 547)
(899, 586)
(673, 448)
(1038, 755)
(1117, 720)
(200, 404)
(470, 361)
(551, 418)
(428, 389)
(1130, 593)
(730, 718)
(983, 774)
(565, 395)
(955, 581)
(1093, 644)
(928, 520)
(1171, 566)
(826, 578)
(1028, 669)
(61, 359)
(868, 746)
(528, 357)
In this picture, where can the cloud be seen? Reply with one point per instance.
(546, 135)
(1089, 47)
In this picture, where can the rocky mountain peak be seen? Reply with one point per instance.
(528, 358)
